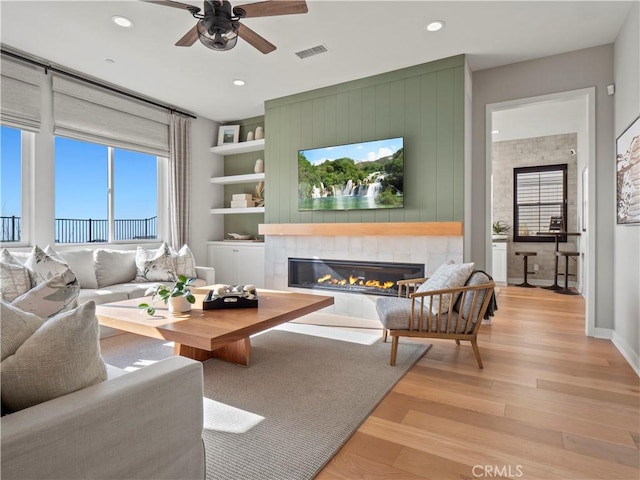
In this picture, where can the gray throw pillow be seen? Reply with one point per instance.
(16, 326)
(446, 276)
(61, 357)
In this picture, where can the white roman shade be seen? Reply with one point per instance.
(20, 94)
(94, 114)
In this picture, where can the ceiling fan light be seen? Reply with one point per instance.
(216, 40)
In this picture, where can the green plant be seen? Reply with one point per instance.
(179, 289)
(500, 227)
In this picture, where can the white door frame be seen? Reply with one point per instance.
(589, 261)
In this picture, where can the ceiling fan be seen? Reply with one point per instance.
(219, 26)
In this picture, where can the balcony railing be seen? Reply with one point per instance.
(86, 230)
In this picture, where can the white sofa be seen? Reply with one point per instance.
(145, 424)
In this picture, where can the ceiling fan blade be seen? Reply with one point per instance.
(255, 40)
(171, 3)
(271, 8)
(189, 38)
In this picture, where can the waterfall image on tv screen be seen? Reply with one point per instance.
(365, 175)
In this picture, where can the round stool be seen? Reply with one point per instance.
(566, 290)
(526, 255)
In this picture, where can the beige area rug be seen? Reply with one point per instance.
(286, 415)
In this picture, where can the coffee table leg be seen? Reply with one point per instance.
(237, 352)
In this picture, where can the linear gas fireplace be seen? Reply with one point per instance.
(373, 278)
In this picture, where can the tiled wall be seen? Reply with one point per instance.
(528, 152)
(431, 251)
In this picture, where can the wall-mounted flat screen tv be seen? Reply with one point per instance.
(364, 175)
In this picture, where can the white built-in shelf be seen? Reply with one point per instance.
(225, 211)
(247, 178)
(241, 147)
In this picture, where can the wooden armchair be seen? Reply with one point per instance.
(457, 314)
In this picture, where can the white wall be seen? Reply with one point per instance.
(626, 237)
(592, 67)
(204, 226)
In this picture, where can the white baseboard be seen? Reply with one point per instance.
(629, 355)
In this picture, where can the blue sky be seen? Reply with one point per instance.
(81, 180)
(364, 151)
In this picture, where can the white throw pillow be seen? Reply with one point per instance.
(155, 265)
(81, 263)
(114, 266)
(56, 295)
(448, 275)
(16, 326)
(16, 258)
(14, 280)
(61, 357)
(185, 262)
(42, 266)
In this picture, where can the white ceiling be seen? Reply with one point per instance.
(364, 38)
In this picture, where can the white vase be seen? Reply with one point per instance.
(249, 136)
(179, 305)
(259, 166)
(259, 133)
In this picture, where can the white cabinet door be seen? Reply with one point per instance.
(237, 264)
(499, 270)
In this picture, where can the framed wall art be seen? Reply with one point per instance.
(628, 175)
(228, 134)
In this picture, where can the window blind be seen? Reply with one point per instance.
(540, 193)
(20, 94)
(93, 114)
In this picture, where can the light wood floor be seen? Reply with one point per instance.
(550, 403)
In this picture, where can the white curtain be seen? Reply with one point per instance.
(179, 179)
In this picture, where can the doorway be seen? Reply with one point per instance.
(571, 112)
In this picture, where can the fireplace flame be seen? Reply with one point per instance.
(357, 281)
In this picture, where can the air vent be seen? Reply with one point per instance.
(310, 52)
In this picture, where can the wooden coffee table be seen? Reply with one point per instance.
(203, 334)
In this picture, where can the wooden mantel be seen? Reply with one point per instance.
(362, 229)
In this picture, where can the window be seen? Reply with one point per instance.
(540, 193)
(11, 184)
(104, 194)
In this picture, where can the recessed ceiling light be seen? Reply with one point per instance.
(122, 21)
(495, 131)
(434, 26)
(239, 82)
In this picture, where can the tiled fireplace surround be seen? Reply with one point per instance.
(430, 250)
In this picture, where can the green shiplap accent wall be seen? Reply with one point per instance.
(424, 104)
(239, 164)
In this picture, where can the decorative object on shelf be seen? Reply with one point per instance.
(259, 133)
(237, 236)
(249, 136)
(259, 166)
(178, 297)
(228, 134)
(242, 200)
(258, 198)
(628, 175)
(231, 296)
(500, 229)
